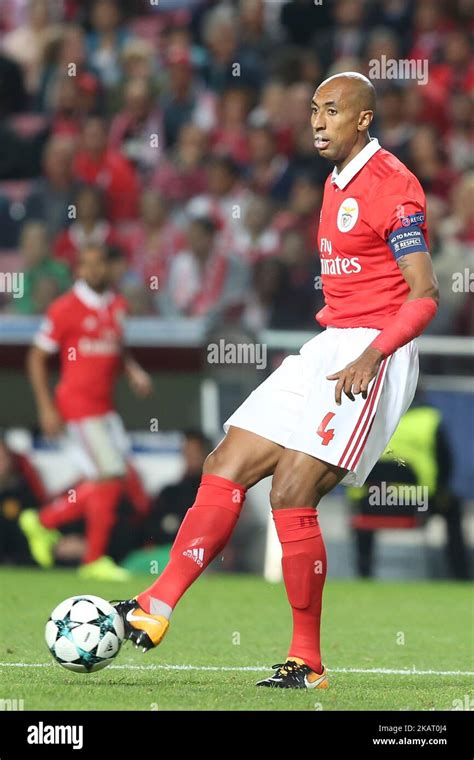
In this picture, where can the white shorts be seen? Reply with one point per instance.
(98, 446)
(296, 408)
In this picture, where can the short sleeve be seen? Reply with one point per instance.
(399, 217)
(50, 331)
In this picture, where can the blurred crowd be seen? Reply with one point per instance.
(179, 133)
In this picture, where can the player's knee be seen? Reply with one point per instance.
(211, 463)
(223, 462)
(218, 462)
(278, 497)
(288, 491)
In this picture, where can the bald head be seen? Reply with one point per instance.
(342, 109)
(355, 87)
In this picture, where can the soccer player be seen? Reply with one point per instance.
(85, 326)
(325, 415)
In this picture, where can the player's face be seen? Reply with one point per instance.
(94, 269)
(335, 120)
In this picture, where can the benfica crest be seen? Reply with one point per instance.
(347, 215)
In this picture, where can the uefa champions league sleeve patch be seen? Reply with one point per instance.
(413, 219)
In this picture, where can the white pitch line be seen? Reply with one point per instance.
(258, 669)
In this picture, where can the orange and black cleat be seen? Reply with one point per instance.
(295, 674)
(146, 631)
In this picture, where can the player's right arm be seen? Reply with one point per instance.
(45, 343)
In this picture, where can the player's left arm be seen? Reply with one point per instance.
(409, 322)
(139, 380)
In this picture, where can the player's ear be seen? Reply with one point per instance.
(365, 120)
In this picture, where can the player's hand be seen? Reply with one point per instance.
(355, 378)
(140, 382)
(51, 423)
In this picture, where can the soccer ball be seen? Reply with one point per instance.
(84, 633)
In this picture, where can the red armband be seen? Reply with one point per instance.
(409, 322)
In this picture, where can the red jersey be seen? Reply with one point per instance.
(373, 213)
(86, 328)
(116, 176)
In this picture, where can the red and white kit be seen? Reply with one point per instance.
(86, 328)
(373, 212)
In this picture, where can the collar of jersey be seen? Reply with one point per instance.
(90, 298)
(342, 179)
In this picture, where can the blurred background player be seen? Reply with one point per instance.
(86, 327)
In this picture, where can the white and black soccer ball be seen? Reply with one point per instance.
(84, 633)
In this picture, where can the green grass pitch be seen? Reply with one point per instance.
(227, 632)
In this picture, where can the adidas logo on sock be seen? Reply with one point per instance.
(197, 555)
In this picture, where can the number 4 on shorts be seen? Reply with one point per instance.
(326, 435)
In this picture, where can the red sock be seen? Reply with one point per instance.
(205, 530)
(100, 516)
(304, 573)
(68, 507)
